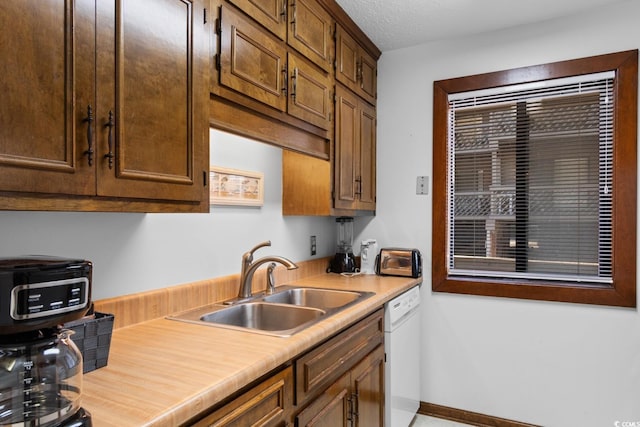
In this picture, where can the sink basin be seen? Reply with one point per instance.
(323, 299)
(263, 316)
(287, 311)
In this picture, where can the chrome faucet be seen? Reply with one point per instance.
(249, 266)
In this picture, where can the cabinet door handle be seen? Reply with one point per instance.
(355, 408)
(350, 409)
(89, 120)
(359, 187)
(294, 83)
(283, 14)
(285, 81)
(110, 124)
(293, 18)
(359, 72)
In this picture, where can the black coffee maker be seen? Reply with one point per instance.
(344, 261)
(40, 366)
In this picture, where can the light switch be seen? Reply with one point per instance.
(422, 185)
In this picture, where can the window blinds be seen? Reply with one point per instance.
(530, 175)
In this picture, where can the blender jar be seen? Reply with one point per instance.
(344, 261)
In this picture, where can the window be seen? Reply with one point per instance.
(535, 182)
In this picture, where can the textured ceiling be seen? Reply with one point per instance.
(394, 24)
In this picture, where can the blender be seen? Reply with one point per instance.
(344, 261)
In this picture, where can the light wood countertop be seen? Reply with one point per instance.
(164, 372)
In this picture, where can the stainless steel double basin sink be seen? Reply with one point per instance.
(288, 310)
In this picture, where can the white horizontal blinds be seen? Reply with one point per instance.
(530, 178)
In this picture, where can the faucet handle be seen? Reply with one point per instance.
(249, 253)
(271, 282)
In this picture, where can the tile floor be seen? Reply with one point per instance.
(424, 421)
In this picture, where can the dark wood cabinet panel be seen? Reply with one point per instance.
(256, 64)
(355, 152)
(322, 366)
(47, 87)
(272, 14)
(368, 77)
(330, 409)
(106, 100)
(367, 380)
(355, 399)
(309, 92)
(148, 85)
(252, 61)
(341, 382)
(355, 67)
(311, 32)
(366, 157)
(345, 149)
(267, 404)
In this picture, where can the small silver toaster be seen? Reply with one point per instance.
(399, 262)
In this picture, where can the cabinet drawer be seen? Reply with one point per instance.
(326, 363)
(267, 404)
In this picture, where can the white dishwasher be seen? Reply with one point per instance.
(402, 362)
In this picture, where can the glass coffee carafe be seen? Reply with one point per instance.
(40, 378)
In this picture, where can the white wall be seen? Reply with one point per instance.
(550, 364)
(138, 252)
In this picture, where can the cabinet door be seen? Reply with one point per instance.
(366, 157)
(309, 93)
(310, 32)
(345, 148)
(355, 68)
(48, 95)
(272, 14)
(150, 83)
(267, 404)
(252, 61)
(333, 408)
(323, 365)
(347, 59)
(367, 381)
(355, 153)
(368, 77)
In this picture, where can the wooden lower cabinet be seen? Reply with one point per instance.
(356, 399)
(268, 404)
(337, 383)
(332, 408)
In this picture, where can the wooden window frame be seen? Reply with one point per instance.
(622, 292)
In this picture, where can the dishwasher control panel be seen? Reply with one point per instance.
(403, 304)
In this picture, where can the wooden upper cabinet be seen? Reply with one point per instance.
(148, 51)
(355, 153)
(256, 64)
(311, 32)
(252, 61)
(309, 92)
(302, 24)
(355, 68)
(272, 14)
(47, 85)
(103, 99)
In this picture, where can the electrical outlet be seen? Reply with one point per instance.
(313, 245)
(422, 185)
